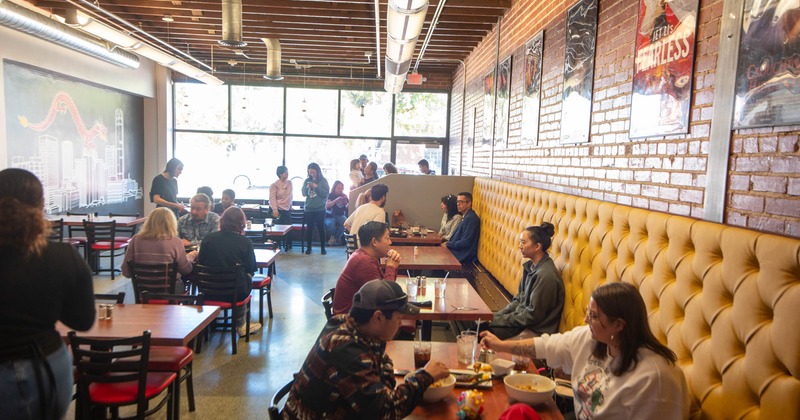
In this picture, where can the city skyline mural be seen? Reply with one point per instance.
(84, 142)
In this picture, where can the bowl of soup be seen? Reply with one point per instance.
(439, 389)
(529, 388)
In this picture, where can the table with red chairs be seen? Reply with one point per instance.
(169, 325)
(461, 302)
(495, 398)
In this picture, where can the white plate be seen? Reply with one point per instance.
(485, 384)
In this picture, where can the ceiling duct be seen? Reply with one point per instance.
(404, 20)
(232, 24)
(24, 20)
(273, 59)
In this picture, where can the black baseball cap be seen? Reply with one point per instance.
(362, 157)
(383, 294)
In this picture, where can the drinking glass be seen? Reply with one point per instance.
(440, 285)
(521, 363)
(422, 354)
(411, 287)
(466, 343)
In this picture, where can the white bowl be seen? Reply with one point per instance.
(544, 388)
(440, 392)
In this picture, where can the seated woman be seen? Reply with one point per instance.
(229, 247)
(451, 217)
(158, 243)
(336, 213)
(539, 301)
(619, 369)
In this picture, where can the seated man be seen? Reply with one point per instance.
(193, 227)
(464, 242)
(540, 299)
(372, 211)
(425, 168)
(347, 373)
(228, 199)
(365, 265)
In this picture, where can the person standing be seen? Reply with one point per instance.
(280, 197)
(336, 213)
(348, 375)
(315, 190)
(464, 241)
(364, 162)
(41, 282)
(370, 173)
(164, 189)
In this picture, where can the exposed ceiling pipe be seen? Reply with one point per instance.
(273, 59)
(88, 5)
(24, 20)
(378, 36)
(431, 28)
(232, 24)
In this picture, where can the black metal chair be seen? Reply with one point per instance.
(351, 244)
(274, 404)
(101, 238)
(108, 297)
(112, 373)
(125, 232)
(299, 223)
(220, 287)
(327, 302)
(154, 278)
(56, 231)
(73, 232)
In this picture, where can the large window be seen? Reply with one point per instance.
(244, 163)
(408, 154)
(257, 109)
(201, 107)
(421, 114)
(366, 113)
(311, 111)
(333, 156)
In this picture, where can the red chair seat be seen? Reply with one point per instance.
(261, 282)
(107, 245)
(169, 358)
(227, 305)
(125, 392)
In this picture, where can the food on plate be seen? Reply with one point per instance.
(482, 367)
(469, 378)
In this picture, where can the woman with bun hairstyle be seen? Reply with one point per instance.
(41, 282)
(540, 299)
(451, 217)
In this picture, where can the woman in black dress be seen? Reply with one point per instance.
(164, 190)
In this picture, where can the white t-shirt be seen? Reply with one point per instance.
(365, 213)
(654, 389)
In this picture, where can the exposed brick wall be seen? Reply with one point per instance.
(657, 173)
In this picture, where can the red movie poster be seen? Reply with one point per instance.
(662, 75)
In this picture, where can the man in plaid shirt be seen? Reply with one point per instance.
(347, 374)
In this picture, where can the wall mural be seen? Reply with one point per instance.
(83, 142)
(531, 94)
(768, 72)
(662, 74)
(502, 103)
(488, 108)
(576, 105)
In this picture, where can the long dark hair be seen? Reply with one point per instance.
(21, 201)
(332, 194)
(622, 301)
(315, 166)
(541, 234)
(450, 202)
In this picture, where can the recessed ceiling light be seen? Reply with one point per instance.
(168, 18)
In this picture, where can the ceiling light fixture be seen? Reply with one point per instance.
(364, 100)
(303, 106)
(168, 18)
(232, 24)
(404, 20)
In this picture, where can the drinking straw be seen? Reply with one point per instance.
(409, 273)
(445, 276)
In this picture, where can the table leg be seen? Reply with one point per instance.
(427, 327)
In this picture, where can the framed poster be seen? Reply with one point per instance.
(469, 142)
(663, 63)
(488, 108)
(576, 104)
(531, 93)
(767, 76)
(83, 141)
(502, 102)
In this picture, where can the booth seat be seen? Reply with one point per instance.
(726, 300)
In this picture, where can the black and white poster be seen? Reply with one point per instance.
(531, 94)
(576, 105)
(488, 108)
(503, 102)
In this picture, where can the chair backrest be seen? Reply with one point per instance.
(100, 231)
(110, 361)
(109, 297)
(172, 299)
(274, 404)
(154, 278)
(76, 229)
(56, 231)
(327, 302)
(220, 281)
(298, 213)
(351, 243)
(127, 231)
(259, 239)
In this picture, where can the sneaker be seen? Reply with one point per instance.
(308, 251)
(323, 252)
(254, 328)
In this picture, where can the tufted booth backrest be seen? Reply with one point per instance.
(726, 300)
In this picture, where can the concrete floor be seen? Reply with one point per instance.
(240, 386)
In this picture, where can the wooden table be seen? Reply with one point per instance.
(429, 258)
(77, 220)
(169, 325)
(265, 258)
(495, 399)
(274, 230)
(458, 294)
(431, 239)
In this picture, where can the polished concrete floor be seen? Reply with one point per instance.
(240, 386)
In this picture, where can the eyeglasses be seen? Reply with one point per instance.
(462, 201)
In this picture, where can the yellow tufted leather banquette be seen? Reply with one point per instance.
(726, 300)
